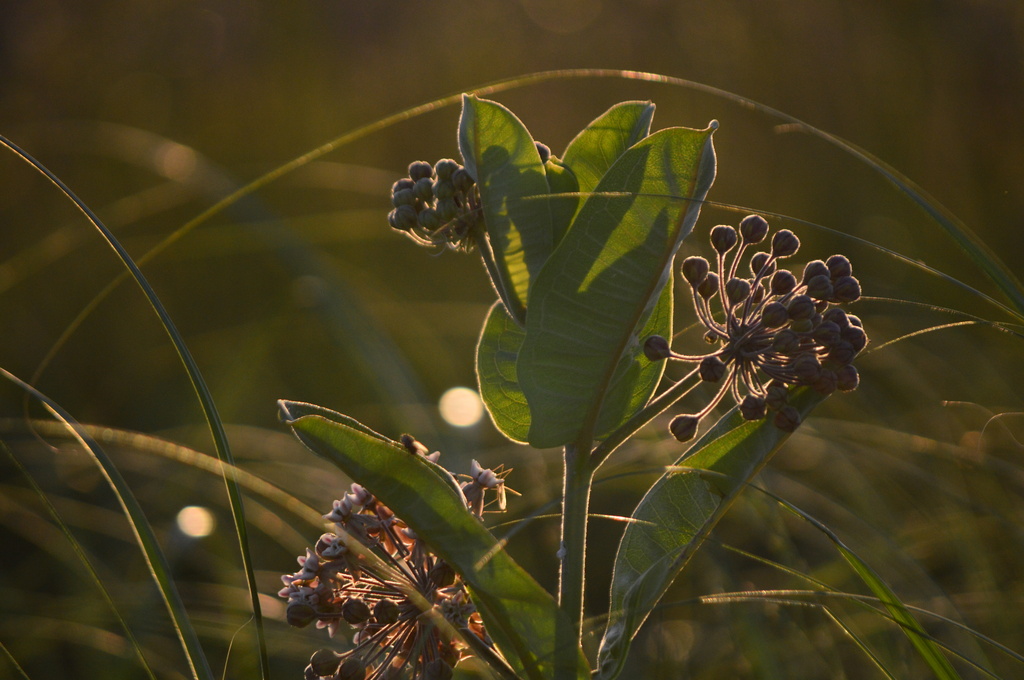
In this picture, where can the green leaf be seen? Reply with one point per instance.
(498, 350)
(604, 278)
(501, 155)
(520, 616)
(675, 516)
(593, 151)
(496, 355)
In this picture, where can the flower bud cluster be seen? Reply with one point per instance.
(772, 330)
(392, 638)
(436, 204)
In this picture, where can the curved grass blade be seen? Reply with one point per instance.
(521, 616)
(603, 281)
(159, 569)
(206, 402)
(501, 155)
(675, 516)
(80, 554)
(593, 151)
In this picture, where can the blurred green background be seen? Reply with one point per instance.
(152, 111)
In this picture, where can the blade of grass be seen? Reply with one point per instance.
(79, 552)
(213, 420)
(144, 534)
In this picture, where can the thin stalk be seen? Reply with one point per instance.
(572, 552)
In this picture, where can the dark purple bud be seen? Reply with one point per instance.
(856, 337)
(446, 209)
(445, 168)
(355, 610)
(836, 316)
(806, 368)
(787, 419)
(403, 197)
(684, 428)
(757, 294)
(709, 286)
(752, 407)
(299, 614)
(405, 217)
(814, 268)
(462, 180)
(820, 287)
(759, 262)
(802, 326)
(723, 238)
(753, 228)
(842, 354)
(783, 282)
(712, 369)
(855, 320)
(325, 661)
(417, 170)
(774, 315)
(352, 668)
(839, 265)
(695, 270)
(424, 190)
(801, 307)
(786, 342)
(827, 333)
(385, 612)
(846, 289)
(737, 290)
(428, 219)
(444, 189)
(826, 382)
(404, 183)
(441, 574)
(785, 243)
(777, 395)
(847, 378)
(656, 348)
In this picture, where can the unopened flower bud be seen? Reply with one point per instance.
(462, 180)
(801, 307)
(774, 315)
(683, 428)
(405, 217)
(325, 661)
(753, 407)
(847, 378)
(443, 189)
(403, 197)
(785, 243)
(723, 238)
(759, 262)
(827, 333)
(786, 342)
(777, 395)
(836, 316)
(855, 336)
(783, 282)
(299, 614)
(855, 320)
(814, 268)
(428, 219)
(404, 183)
(803, 326)
(806, 368)
(787, 419)
(694, 270)
(446, 209)
(424, 189)
(826, 382)
(709, 286)
(419, 170)
(757, 294)
(352, 668)
(712, 369)
(820, 287)
(441, 574)
(753, 228)
(355, 610)
(839, 265)
(737, 290)
(846, 289)
(656, 348)
(842, 353)
(445, 167)
(385, 612)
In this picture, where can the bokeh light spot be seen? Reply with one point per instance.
(461, 407)
(196, 521)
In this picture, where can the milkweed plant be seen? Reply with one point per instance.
(580, 353)
(581, 251)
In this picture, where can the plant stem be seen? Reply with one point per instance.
(579, 475)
